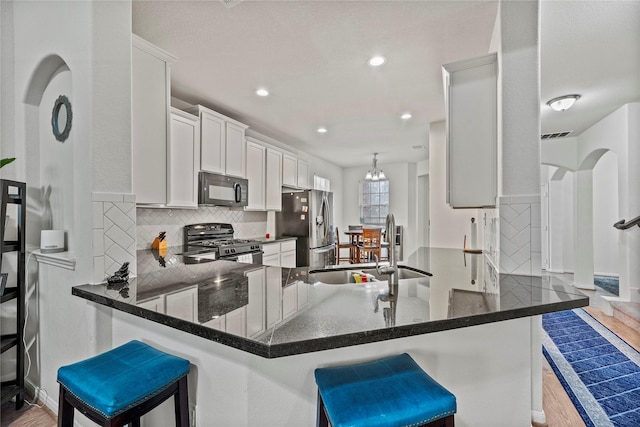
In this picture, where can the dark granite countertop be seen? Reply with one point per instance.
(275, 312)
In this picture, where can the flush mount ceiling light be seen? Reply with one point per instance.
(376, 61)
(562, 103)
(406, 116)
(262, 92)
(322, 130)
(374, 174)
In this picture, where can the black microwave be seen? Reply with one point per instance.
(221, 190)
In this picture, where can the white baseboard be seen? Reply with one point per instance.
(538, 417)
(43, 395)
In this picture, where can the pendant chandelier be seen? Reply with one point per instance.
(375, 174)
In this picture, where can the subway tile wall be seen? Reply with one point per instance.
(152, 221)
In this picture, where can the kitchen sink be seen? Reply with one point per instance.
(342, 276)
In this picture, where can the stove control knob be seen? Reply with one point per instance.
(233, 250)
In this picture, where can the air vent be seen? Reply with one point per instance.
(418, 147)
(556, 135)
(230, 3)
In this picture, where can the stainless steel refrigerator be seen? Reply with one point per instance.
(308, 215)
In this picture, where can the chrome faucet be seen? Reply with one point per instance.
(392, 269)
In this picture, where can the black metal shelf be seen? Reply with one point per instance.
(14, 193)
(9, 294)
(11, 390)
(8, 341)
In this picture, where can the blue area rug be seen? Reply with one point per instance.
(599, 371)
(609, 284)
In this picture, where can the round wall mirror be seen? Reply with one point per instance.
(61, 118)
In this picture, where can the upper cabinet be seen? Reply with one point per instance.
(256, 170)
(222, 143)
(183, 160)
(151, 77)
(264, 173)
(470, 88)
(295, 172)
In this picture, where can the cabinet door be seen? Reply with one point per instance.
(288, 259)
(183, 304)
(255, 174)
(273, 180)
(303, 294)
(235, 155)
(236, 322)
(274, 295)
(289, 300)
(256, 319)
(272, 260)
(184, 158)
(303, 174)
(154, 304)
(213, 143)
(150, 112)
(471, 107)
(289, 170)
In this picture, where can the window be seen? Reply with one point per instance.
(374, 202)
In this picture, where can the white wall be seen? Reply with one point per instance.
(448, 225)
(93, 39)
(605, 214)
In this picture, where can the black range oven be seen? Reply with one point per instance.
(215, 241)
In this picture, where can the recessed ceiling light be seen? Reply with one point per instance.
(406, 116)
(262, 92)
(376, 61)
(322, 130)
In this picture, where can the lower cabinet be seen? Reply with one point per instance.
(181, 304)
(256, 316)
(274, 295)
(280, 254)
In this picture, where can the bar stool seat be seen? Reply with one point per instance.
(119, 386)
(393, 391)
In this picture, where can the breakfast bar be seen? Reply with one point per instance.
(254, 334)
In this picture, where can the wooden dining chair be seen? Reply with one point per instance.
(371, 243)
(348, 245)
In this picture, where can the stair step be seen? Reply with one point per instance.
(628, 313)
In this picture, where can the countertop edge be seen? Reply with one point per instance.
(328, 343)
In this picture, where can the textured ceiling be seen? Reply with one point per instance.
(312, 55)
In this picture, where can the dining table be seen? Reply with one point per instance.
(355, 235)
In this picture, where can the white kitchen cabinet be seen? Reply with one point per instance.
(153, 304)
(274, 295)
(183, 160)
(289, 170)
(256, 317)
(183, 304)
(303, 174)
(295, 172)
(235, 150)
(288, 254)
(237, 322)
(289, 300)
(273, 180)
(256, 168)
(471, 131)
(222, 143)
(303, 295)
(219, 323)
(280, 254)
(150, 100)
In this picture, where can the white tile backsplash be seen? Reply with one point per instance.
(152, 221)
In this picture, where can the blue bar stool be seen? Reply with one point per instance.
(393, 391)
(121, 385)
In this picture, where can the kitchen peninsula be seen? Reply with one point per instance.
(466, 325)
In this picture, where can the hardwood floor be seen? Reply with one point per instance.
(27, 416)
